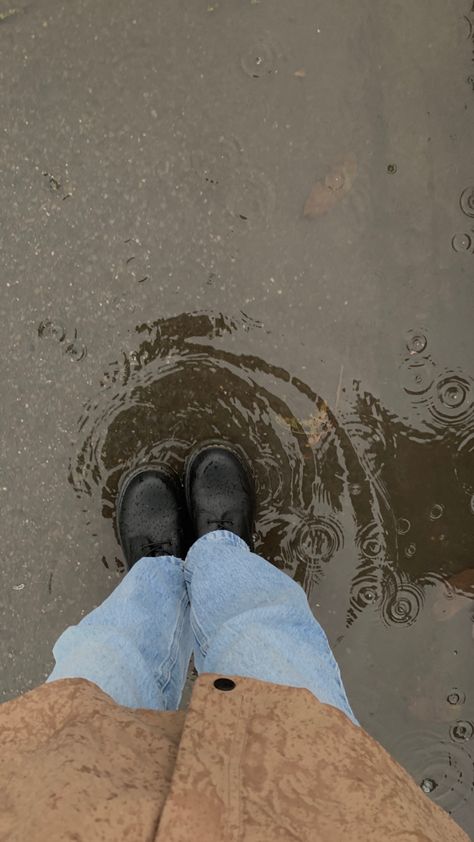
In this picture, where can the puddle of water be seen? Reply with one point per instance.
(316, 473)
(338, 499)
(182, 386)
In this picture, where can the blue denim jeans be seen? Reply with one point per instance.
(234, 610)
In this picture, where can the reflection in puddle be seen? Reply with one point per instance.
(363, 497)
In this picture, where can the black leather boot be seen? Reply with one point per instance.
(151, 515)
(220, 493)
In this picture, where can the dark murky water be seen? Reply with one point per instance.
(251, 222)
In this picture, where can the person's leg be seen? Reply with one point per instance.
(252, 620)
(136, 646)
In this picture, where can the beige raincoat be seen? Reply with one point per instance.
(256, 763)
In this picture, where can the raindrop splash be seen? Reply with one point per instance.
(452, 401)
(428, 785)
(452, 392)
(461, 731)
(259, 59)
(467, 201)
(456, 697)
(48, 329)
(403, 601)
(367, 591)
(461, 242)
(444, 769)
(449, 404)
(417, 375)
(371, 542)
(335, 180)
(403, 525)
(303, 545)
(436, 511)
(416, 342)
(76, 351)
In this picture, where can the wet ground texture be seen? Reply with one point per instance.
(250, 220)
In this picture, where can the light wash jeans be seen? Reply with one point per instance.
(239, 614)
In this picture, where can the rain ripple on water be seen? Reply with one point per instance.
(443, 769)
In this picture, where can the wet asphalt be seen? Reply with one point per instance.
(250, 221)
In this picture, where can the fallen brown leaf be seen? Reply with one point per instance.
(316, 427)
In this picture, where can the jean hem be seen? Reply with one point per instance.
(220, 535)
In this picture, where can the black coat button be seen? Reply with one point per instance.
(224, 684)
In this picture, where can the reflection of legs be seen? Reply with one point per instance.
(136, 646)
(250, 619)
